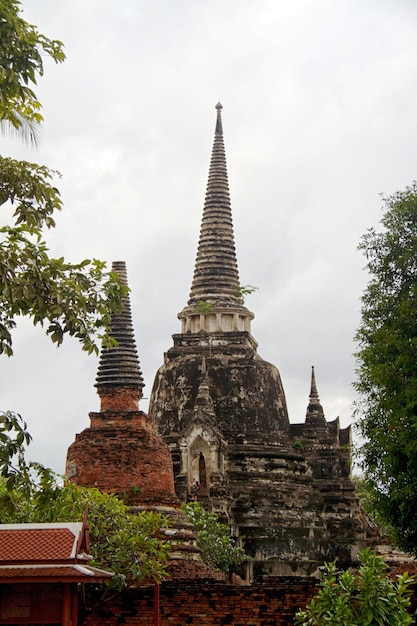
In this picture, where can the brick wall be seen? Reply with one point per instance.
(271, 603)
(119, 398)
(134, 464)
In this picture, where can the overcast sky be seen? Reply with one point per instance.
(319, 118)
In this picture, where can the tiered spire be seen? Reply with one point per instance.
(315, 411)
(216, 277)
(215, 289)
(119, 366)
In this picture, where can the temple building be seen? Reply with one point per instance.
(284, 489)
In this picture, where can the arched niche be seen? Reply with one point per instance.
(199, 464)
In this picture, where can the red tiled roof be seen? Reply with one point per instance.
(46, 544)
(41, 573)
(46, 553)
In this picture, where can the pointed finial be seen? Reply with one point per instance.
(203, 399)
(315, 411)
(219, 126)
(313, 389)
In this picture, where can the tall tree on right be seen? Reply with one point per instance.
(386, 373)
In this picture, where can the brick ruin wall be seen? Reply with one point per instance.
(133, 464)
(270, 603)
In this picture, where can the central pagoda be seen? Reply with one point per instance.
(222, 411)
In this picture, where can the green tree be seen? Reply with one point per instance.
(386, 373)
(219, 551)
(129, 545)
(369, 504)
(366, 598)
(21, 63)
(74, 299)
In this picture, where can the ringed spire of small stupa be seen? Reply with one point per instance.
(315, 411)
(119, 370)
(215, 287)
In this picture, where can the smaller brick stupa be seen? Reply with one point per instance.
(120, 453)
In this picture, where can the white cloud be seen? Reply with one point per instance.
(319, 118)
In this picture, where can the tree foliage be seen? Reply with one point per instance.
(387, 366)
(366, 598)
(368, 501)
(219, 551)
(75, 299)
(130, 545)
(21, 63)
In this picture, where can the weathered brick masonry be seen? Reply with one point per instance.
(270, 603)
(218, 413)
(120, 453)
(285, 489)
(131, 462)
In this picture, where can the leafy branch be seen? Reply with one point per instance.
(245, 290)
(129, 545)
(219, 550)
(204, 307)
